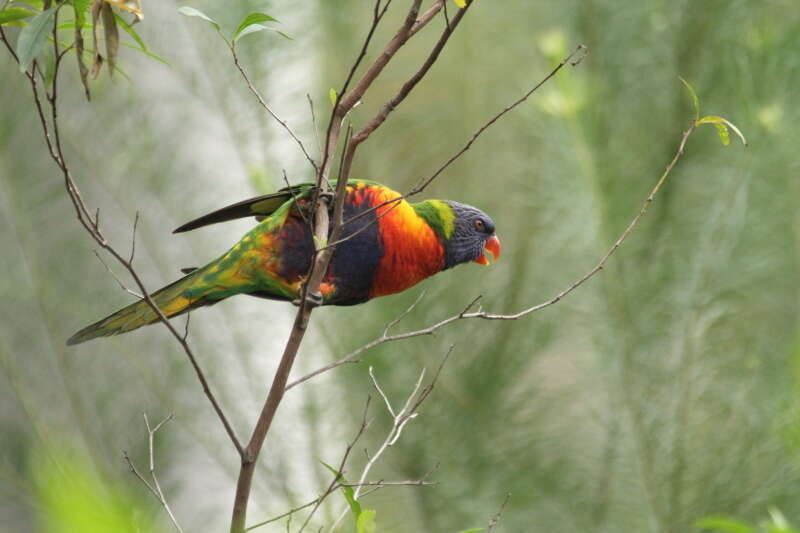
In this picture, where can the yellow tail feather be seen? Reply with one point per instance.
(169, 299)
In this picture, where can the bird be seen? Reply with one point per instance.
(387, 245)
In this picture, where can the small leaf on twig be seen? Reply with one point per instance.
(366, 521)
(33, 37)
(13, 14)
(332, 95)
(693, 95)
(252, 18)
(349, 494)
(130, 31)
(252, 28)
(461, 3)
(192, 12)
(722, 126)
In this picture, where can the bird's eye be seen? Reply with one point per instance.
(479, 225)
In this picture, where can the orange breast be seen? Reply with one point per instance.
(411, 249)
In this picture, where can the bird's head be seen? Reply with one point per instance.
(471, 237)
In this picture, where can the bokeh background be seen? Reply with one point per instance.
(664, 390)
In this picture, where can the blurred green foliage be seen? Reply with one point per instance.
(663, 391)
(73, 498)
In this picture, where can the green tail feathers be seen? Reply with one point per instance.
(174, 299)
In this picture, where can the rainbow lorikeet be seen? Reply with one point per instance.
(384, 251)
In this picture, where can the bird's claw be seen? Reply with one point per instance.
(313, 299)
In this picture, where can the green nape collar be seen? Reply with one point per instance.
(439, 215)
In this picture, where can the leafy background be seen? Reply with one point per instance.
(663, 391)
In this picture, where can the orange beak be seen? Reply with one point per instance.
(493, 247)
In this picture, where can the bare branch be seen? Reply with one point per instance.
(314, 123)
(269, 110)
(155, 488)
(428, 15)
(284, 515)
(422, 184)
(399, 421)
(113, 275)
(335, 483)
(384, 338)
(496, 518)
(383, 394)
(133, 238)
(414, 483)
(427, 181)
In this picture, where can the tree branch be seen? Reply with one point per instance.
(269, 110)
(399, 421)
(155, 488)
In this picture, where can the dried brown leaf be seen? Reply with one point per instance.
(112, 36)
(82, 69)
(98, 59)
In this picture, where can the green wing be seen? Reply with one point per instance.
(260, 206)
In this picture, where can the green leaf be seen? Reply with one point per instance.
(148, 53)
(247, 30)
(461, 3)
(723, 524)
(332, 95)
(192, 12)
(722, 126)
(12, 14)
(130, 31)
(33, 37)
(81, 7)
(252, 18)
(366, 521)
(349, 494)
(252, 28)
(693, 95)
(111, 33)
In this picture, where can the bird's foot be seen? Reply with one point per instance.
(313, 299)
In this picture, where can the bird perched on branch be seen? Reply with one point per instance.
(387, 245)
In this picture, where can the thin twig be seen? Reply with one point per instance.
(424, 183)
(269, 110)
(116, 278)
(427, 181)
(496, 518)
(314, 123)
(155, 488)
(399, 421)
(340, 471)
(384, 338)
(133, 238)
